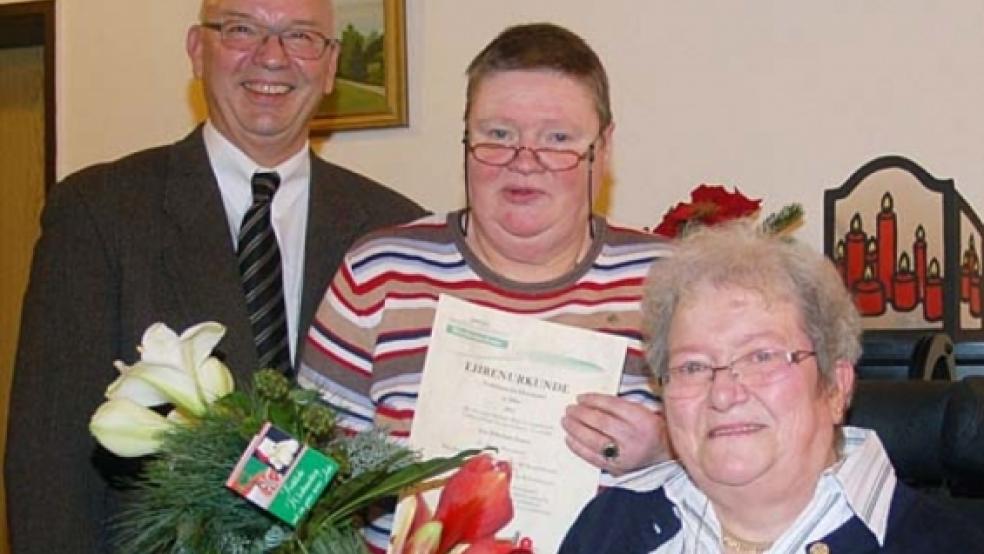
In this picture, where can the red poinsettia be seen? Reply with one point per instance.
(709, 204)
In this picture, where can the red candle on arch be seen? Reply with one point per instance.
(933, 301)
(856, 243)
(904, 286)
(871, 255)
(919, 253)
(869, 294)
(887, 243)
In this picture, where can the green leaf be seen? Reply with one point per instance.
(371, 486)
(283, 415)
(236, 402)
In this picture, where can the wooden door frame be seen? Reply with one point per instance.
(33, 24)
(30, 24)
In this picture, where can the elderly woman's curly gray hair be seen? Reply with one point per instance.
(737, 254)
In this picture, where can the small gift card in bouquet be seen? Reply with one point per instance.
(281, 475)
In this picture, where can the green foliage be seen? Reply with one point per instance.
(784, 220)
(375, 57)
(270, 384)
(337, 540)
(362, 57)
(181, 505)
(349, 99)
(339, 504)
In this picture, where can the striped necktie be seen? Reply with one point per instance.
(261, 272)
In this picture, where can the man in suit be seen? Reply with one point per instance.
(153, 237)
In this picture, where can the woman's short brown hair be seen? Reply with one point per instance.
(543, 46)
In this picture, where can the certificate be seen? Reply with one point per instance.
(502, 380)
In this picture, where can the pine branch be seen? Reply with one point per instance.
(783, 220)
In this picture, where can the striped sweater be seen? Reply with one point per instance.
(366, 347)
(365, 350)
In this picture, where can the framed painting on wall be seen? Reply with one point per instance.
(371, 81)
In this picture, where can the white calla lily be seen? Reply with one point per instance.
(161, 345)
(199, 341)
(180, 388)
(127, 429)
(173, 369)
(138, 390)
(214, 380)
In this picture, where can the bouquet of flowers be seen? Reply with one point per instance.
(712, 204)
(182, 500)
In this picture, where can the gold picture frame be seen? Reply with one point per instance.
(371, 82)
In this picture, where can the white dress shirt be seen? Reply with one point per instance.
(289, 211)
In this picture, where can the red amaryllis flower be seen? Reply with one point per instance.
(413, 514)
(473, 506)
(475, 503)
(709, 204)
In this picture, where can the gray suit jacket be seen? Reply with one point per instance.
(125, 244)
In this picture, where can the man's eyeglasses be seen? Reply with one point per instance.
(551, 159)
(302, 44)
(759, 367)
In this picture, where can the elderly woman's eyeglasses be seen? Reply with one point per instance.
(302, 44)
(551, 159)
(759, 367)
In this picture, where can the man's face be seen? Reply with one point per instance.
(262, 99)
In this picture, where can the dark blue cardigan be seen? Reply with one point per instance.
(626, 522)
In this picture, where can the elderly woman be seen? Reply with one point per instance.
(754, 340)
(537, 139)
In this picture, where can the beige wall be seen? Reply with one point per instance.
(781, 98)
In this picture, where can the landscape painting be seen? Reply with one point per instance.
(370, 84)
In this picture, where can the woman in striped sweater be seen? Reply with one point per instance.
(538, 131)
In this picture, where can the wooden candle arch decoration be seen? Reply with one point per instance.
(879, 230)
